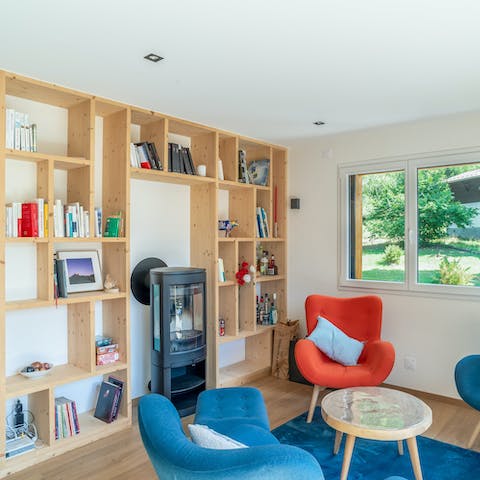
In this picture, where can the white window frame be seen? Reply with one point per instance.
(410, 165)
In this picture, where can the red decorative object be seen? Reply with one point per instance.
(243, 275)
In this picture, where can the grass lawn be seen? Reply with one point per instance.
(429, 261)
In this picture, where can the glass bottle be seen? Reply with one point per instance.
(273, 311)
(264, 264)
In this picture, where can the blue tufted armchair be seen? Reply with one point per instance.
(174, 456)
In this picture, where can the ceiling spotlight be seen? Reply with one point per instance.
(319, 122)
(153, 57)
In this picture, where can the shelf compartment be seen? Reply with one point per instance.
(168, 177)
(228, 252)
(26, 239)
(278, 286)
(42, 92)
(268, 278)
(61, 162)
(91, 429)
(110, 368)
(242, 373)
(260, 329)
(279, 177)
(278, 250)
(228, 153)
(227, 309)
(234, 185)
(26, 304)
(88, 297)
(228, 283)
(17, 385)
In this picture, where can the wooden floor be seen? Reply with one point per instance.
(122, 457)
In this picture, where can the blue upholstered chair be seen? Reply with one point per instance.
(174, 456)
(467, 379)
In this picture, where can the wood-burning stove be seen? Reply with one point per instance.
(178, 314)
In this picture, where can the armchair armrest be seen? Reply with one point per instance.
(379, 356)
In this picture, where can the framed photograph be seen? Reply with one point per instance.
(82, 270)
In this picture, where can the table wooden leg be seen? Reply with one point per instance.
(400, 447)
(338, 441)
(347, 456)
(414, 458)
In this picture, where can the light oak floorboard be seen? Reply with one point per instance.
(122, 457)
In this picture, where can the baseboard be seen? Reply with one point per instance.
(426, 395)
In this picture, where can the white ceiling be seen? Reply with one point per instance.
(263, 68)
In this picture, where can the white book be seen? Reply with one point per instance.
(98, 222)
(86, 223)
(23, 132)
(40, 218)
(221, 271)
(134, 162)
(33, 137)
(10, 128)
(60, 221)
(9, 221)
(28, 146)
(81, 223)
(17, 145)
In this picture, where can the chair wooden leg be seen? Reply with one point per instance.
(474, 435)
(313, 402)
(400, 447)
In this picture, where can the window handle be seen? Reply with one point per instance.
(411, 237)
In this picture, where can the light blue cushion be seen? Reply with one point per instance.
(335, 344)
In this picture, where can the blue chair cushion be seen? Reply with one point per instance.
(251, 435)
(222, 409)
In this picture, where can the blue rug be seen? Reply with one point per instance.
(375, 460)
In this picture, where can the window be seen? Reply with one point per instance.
(412, 224)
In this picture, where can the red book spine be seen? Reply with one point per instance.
(29, 220)
(146, 165)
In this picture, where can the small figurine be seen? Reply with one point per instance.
(110, 285)
(227, 226)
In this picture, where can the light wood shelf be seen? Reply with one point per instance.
(168, 177)
(78, 166)
(236, 304)
(268, 278)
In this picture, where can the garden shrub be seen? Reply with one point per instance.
(452, 273)
(392, 255)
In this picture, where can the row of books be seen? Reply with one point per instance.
(20, 134)
(262, 223)
(144, 155)
(114, 226)
(70, 220)
(66, 418)
(180, 159)
(109, 398)
(29, 219)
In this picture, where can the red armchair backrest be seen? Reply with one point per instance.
(358, 317)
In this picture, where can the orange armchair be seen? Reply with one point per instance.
(359, 318)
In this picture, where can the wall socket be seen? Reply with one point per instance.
(410, 363)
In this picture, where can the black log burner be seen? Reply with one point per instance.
(178, 314)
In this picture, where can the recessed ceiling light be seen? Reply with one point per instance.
(153, 57)
(319, 122)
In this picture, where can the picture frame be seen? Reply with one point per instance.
(82, 270)
(259, 171)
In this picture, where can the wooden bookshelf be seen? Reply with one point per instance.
(76, 162)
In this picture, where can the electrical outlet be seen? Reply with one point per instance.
(410, 363)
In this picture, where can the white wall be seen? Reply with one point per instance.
(436, 330)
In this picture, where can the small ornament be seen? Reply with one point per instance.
(245, 273)
(110, 285)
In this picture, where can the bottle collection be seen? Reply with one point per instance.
(265, 265)
(267, 313)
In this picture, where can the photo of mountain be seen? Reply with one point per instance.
(80, 270)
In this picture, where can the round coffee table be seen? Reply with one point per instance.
(376, 413)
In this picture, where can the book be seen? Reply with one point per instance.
(243, 175)
(66, 418)
(61, 278)
(221, 271)
(113, 226)
(154, 153)
(190, 161)
(10, 128)
(29, 220)
(175, 158)
(108, 396)
(116, 405)
(98, 222)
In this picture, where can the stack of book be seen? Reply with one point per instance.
(243, 173)
(66, 418)
(70, 220)
(107, 354)
(144, 155)
(262, 223)
(180, 160)
(28, 219)
(20, 135)
(108, 402)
